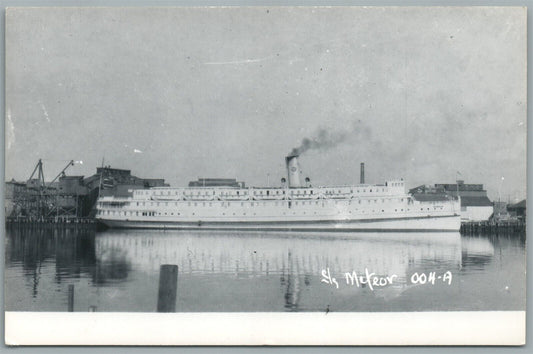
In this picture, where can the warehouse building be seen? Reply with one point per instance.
(475, 204)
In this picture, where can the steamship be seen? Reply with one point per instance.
(293, 206)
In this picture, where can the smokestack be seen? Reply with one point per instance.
(293, 171)
(362, 181)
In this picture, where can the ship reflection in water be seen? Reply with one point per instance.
(118, 270)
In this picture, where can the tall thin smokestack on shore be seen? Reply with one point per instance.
(362, 179)
(293, 171)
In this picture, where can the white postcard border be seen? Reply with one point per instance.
(382, 328)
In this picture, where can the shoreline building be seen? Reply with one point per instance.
(217, 182)
(14, 202)
(475, 204)
(119, 182)
(71, 196)
(518, 210)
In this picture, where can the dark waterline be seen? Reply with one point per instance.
(118, 270)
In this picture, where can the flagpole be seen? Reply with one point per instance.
(457, 173)
(100, 186)
(457, 187)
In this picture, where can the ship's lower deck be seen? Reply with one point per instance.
(404, 224)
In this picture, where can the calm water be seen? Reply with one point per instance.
(118, 270)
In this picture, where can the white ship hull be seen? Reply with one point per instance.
(379, 207)
(408, 224)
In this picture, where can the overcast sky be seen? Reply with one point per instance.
(418, 93)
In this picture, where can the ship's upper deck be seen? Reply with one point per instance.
(390, 188)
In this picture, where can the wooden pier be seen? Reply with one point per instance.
(57, 221)
(493, 228)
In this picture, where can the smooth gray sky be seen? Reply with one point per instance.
(182, 93)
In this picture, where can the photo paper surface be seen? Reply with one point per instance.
(280, 175)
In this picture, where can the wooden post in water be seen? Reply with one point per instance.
(168, 284)
(71, 298)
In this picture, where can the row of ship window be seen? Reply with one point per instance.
(268, 192)
(153, 213)
(226, 204)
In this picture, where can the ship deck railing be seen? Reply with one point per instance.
(273, 187)
(285, 197)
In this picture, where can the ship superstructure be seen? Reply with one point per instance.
(292, 206)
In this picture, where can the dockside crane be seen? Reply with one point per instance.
(39, 167)
(71, 163)
(41, 199)
(35, 202)
(54, 205)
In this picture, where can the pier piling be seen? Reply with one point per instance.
(71, 298)
(168, 284)
(515, 228)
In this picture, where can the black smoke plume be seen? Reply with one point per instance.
(326, 139)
